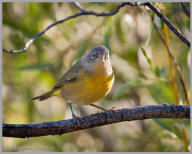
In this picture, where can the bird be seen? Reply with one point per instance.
(87, 81)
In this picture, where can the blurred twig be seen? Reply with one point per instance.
(77, 5)
(176, 65)
(116, 10)
(186, 10)
(95, 120)
(168, 23)
(173, 80)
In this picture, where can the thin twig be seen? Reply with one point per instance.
(116, 10)
(95, 120)
(168, 23)
(65, 19)
(186, 10)
(98, 107)
(77, 5)
(177, 66)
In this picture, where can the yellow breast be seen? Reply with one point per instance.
(89, 89)
(98, 88)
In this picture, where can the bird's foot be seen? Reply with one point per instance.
(112, 109)
(76, 119)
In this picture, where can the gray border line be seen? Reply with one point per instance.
(91, 1)
(190, 75)
(96, 1)
(1, 113)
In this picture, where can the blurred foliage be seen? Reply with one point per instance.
(140, 63)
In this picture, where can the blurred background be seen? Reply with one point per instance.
(140, 64)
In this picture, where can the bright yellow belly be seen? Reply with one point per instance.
(87, 90)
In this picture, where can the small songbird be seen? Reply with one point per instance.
(87, 81)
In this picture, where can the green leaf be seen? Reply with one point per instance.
(162, 124)
(119, 31)
(148, 59)
(170, 125)
(128, 86)
(35, 67)
(161, 91)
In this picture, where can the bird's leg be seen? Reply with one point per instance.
(102, 108)
(98, 107)
(75, 118)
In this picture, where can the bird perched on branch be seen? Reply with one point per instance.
(87, 81)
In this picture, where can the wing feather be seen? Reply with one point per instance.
(71, 75)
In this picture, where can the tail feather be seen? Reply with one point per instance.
(45, 95)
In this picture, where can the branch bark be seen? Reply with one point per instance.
(102, 14)
(95, 120)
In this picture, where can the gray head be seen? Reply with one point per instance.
(98, 53)
(97, 59)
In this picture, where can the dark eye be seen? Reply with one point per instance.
(95, 55)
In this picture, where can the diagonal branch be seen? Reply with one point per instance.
(176, 65)
(102, 14)
(95, 120)
(77, 5)
(168, 23)
(186, 10)
(116, 10)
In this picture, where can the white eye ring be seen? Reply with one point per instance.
(95, 55)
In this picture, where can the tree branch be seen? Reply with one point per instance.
(77, 5)
(176, 65)
(95, 120)
(116, 10)
(168, 23)
(186, 10)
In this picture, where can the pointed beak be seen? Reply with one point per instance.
(106, 55)
(103, 57)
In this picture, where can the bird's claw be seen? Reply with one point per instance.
(76, 119)
(112, 109)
